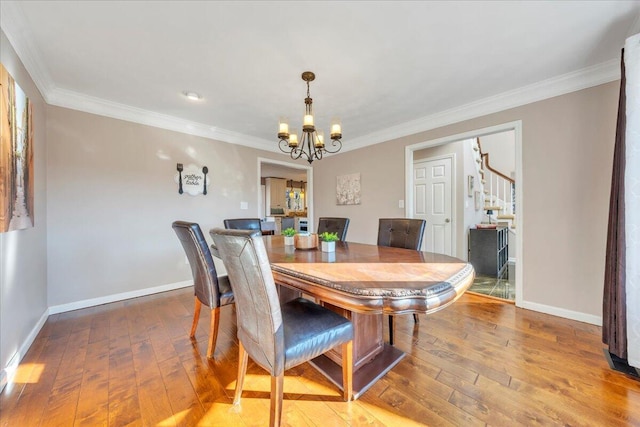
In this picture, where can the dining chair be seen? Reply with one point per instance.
(210, 290)
(242, 224)
(406, 233)
(277, 337)
(334, 225)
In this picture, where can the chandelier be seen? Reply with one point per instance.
(311, 144)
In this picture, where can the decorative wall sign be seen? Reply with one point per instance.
(348, 189)
(16, 156)
(192, 179)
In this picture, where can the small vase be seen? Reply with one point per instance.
(288, 240)
(328, 246)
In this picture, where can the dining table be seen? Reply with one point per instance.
(364, 282)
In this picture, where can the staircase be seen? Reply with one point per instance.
(499, 190)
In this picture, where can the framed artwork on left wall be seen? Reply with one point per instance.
(16, 156)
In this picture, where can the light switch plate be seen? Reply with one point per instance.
(244, 205)
(401, 204)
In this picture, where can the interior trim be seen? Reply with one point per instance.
(13, 24)
(92, 302)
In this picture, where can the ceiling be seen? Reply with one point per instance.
(387, 69)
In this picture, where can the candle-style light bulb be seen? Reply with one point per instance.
(293, 138)
(283, 128)
(336, 129)
(319, 140)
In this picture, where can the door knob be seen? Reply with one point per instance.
(447, 220)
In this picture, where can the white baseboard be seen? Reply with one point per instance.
(6, 375)
(561, 312)
(7, 372)
(117, 297)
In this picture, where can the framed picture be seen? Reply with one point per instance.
(348, 189)
(477, 200)
(16, 156)
(470, 185)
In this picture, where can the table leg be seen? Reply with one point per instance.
(372, 358)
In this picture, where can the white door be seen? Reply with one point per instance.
(432, 202)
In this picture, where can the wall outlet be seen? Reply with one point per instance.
(401, 204)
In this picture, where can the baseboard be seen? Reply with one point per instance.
(7, 372)
(62, 308)
(561, 312)
(6, 375)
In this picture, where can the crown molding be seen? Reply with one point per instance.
(102, 107)
(13, 23)
(587, 77)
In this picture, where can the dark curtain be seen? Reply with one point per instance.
(614, 310)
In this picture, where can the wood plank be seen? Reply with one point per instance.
(477, 362)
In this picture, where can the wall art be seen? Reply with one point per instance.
(348, 189)
(16, 156)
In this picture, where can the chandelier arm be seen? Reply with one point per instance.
(296, 154)
(335, 143)
(283, 144)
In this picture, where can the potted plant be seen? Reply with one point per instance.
(288, 234)
(328, 241)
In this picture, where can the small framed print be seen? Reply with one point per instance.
(477, 200)
(470, 185)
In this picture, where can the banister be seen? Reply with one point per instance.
(486, 162)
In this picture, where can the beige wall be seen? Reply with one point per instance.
(567, 155)
(23, 257)
(112, 199)
(501, 147)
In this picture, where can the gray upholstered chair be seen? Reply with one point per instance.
(210, 290)
(334, 225)
(277, 337)
(403, 233)
(242, 224)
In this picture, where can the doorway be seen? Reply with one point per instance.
(289, 172)
(458, 226)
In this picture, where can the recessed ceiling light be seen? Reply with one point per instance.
(194, 96)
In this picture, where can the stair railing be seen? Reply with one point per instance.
(501, 187)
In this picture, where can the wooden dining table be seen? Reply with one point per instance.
(362, 282)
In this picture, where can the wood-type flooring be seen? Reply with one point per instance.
(478, 362)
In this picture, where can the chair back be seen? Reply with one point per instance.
(205, 278)
(334, 225)
(258, 314)
(404, 233)
(242, 224)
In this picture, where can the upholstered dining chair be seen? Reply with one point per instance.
(406, 233)
(277, 337)
(210, 290)
(334, 225)
(242, 224)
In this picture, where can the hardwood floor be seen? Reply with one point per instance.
(479, 362)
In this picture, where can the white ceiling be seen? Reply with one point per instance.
(386, 69)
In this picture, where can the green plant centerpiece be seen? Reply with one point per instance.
(288, 234)
(328, 243)
(328, 237)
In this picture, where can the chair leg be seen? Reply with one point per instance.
(196, 317)
(243, 358)
(391, 329)
(277, 394)
(416, 319)
(213, 331)
(347, 370)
